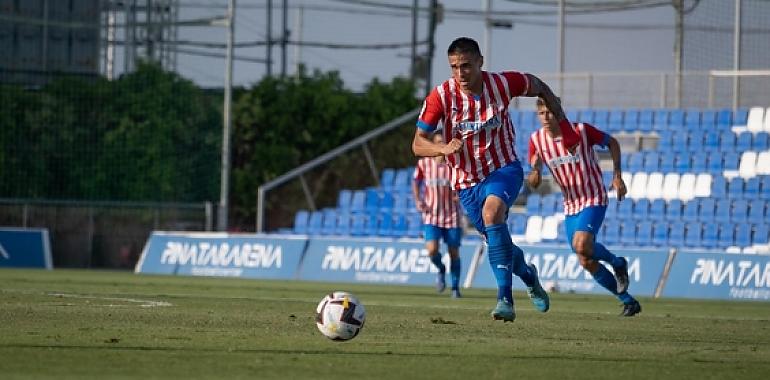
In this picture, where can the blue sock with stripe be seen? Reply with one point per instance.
(500, 256)
(601, 253)
(454, 270)
(436, 260)
(607, 281)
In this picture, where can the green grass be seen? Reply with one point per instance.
(94, 324)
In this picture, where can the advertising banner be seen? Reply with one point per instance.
(25, 248)
(385, 261)
(221, 254)
(560, 270)
(697, 274)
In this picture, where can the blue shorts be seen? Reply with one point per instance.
(504, 183)
(451, 236)
(588, 220)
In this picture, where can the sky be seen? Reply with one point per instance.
(531, 45)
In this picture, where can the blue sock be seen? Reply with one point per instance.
(454, 270)
(601, 253)
(436, 260)
(500, 256)
(607, 281)
(520, 268)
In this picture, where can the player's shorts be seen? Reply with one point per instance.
(451, 236)
(588, 220)
(504, 183)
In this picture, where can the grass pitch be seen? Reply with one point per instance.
(92, 324)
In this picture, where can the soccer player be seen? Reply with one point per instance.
(440, 210)
(486, 173)
(585, 198)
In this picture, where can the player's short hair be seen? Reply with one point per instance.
(464, 45)
(541, 103)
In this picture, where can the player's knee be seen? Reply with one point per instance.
(583, 246)
(587, 263)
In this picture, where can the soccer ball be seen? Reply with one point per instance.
(340, 316)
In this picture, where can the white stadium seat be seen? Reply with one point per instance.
(638, 187)
(687, 187)
(703, 185)
(534, 229)
(550, 228)
(655, 185)
(748, 165)
(756, 119)
(763, 163)
(671, 186)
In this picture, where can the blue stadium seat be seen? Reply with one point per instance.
(414, 222)
(692, 119)
(725, 119)
(714, 164)
(695, 141)
(690, 212)
(760, 142)
(587, 116)
(727, 141)
(401, 202)
(533, 204)
(631, 120)
(403, 180)
(751, 188)
(699, 160)
(344, 220)
(344, 199)
(676, 234)
(628, 233)
(329, 225)
(722, 212)
(573, 116)
(315, 223)
(735, 188)
(358, 224)
(676, 119)
(658, 210)
(679, 141)
(517, 223)
(300, 222)
(682, 163)
(387, 202)
(612, 210)
(764, 192)
(718, 187)
(692, 234)
(385, 227)
(358, 201)
(651, 162)
(611, 234)
(400, 225)
(660, 234)
(641, 209)
(644, 234)
(625, 208)
(646, 120)
(636, 162)
(372, 200)
(707, 208)
(726, 235)
(674, 210)
(741, 116)
(661, 119)
(549, 205)
(387, 178)
(666, 162)
(731, 160)
(744, 141)
(743, 234)
(372, 226)
(601, 118)
(740, 211)
(761, 234)
(711, 141)
(708, 121)
(710, 235)
(757, 211)
(665, 141)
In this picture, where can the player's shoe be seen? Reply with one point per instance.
(621, 276)
(503, 311)
(456, 293)
(440, 282)
(537, 294)
(631, 309)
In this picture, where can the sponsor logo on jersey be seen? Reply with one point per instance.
(474, 126)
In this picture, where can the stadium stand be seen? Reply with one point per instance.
(703, 184)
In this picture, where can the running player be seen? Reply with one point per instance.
(585, 198)
(440, 210)
(473, 107)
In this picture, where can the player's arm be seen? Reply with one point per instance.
(538, 88)
(423, 145)
(418, 203)
(534, 177)
(617, 174)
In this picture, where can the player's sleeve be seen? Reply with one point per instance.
(431, 113)
(518, 84)
(418, 175)
(595, 136)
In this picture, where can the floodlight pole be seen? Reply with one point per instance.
(224, 192)
(737, 55)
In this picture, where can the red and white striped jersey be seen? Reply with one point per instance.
(578, 175)
(443, 207)
(481, 121)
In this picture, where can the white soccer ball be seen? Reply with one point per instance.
(340, 316)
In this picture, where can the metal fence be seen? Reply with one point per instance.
(102, 234)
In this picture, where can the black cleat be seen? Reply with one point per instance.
(621, 276)
(631, 309)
